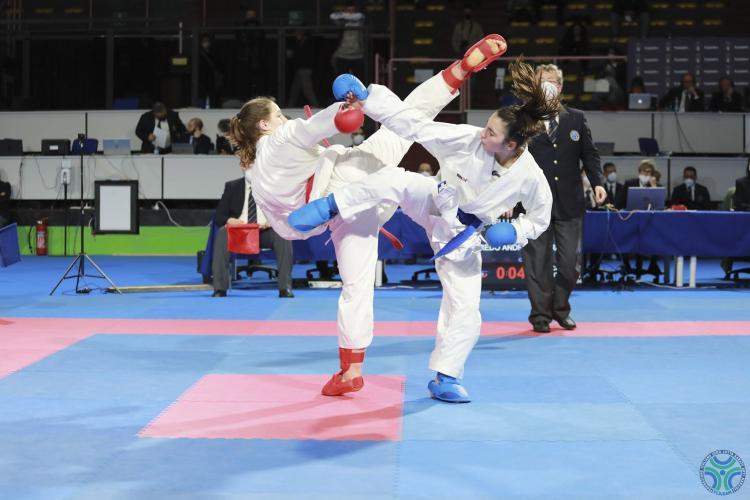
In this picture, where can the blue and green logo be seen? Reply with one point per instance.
(722, 472)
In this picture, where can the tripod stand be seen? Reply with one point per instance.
(82, 258)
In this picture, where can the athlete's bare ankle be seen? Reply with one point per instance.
(354, 371)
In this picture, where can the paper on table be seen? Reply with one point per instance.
(160, 141)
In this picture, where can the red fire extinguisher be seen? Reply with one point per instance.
(41, 237)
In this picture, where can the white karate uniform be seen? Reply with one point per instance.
(285, 160)
(482, 187)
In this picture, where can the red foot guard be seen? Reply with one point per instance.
(336, 386)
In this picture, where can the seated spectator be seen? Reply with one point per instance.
(425, 169)
(638, 86)
(726, 99)
(629, 11)
(742, 192)
(301, 55)
(349, 56)
(645, 177)
(159, 118)
(202, 145)
(685, 97)
(648, 176)
(223, 146)
(691, 194)
(615, 190)
(465, 32)
(520, 10)
(238, 207)
(5, 192)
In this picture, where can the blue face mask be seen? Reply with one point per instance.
(689, 182)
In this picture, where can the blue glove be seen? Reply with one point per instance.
(499, 234)
(343, 84)
(472, 225)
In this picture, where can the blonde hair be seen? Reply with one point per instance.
(244, 131)
(645, 164)
(550, 68)
(526, 120)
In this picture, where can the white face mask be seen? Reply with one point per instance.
(612, 177)
(426, 173)
(689, 183)
(645, 179)
(358, 139)
(550, 90)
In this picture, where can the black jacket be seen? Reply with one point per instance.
(618, 200)
(681, 196)
(232, 201)
(202, 145)
(742, 194)
(719, 104)
(145, 127)
(561, 163)
(672, 99)
(5, 191)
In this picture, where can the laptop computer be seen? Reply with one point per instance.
(649, 198)
(53, 147)
(605, 148)
(116, 147)
(637, 102)
(183, 148)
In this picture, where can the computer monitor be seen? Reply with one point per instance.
(638, 102)
(116, 147)
(11, 147)
(648, 198)
(183, 148)
(55, 147)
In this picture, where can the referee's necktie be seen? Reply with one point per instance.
(552, 133)
(252, 212)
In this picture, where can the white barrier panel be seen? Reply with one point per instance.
(623, 128)
(147, 170)
(198, 177)
(38, 177)
(33, 126)
(710, 133)
(701, 133)
(202, 177)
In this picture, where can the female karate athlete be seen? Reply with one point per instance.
(285, 154)
(485, 172)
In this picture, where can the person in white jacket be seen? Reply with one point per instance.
(484, 173)
(285, 155)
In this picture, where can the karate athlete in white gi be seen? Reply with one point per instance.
(484, 173)
(285, 154)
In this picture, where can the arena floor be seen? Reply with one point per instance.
(181, 396)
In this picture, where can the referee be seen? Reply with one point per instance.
(560, 153)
